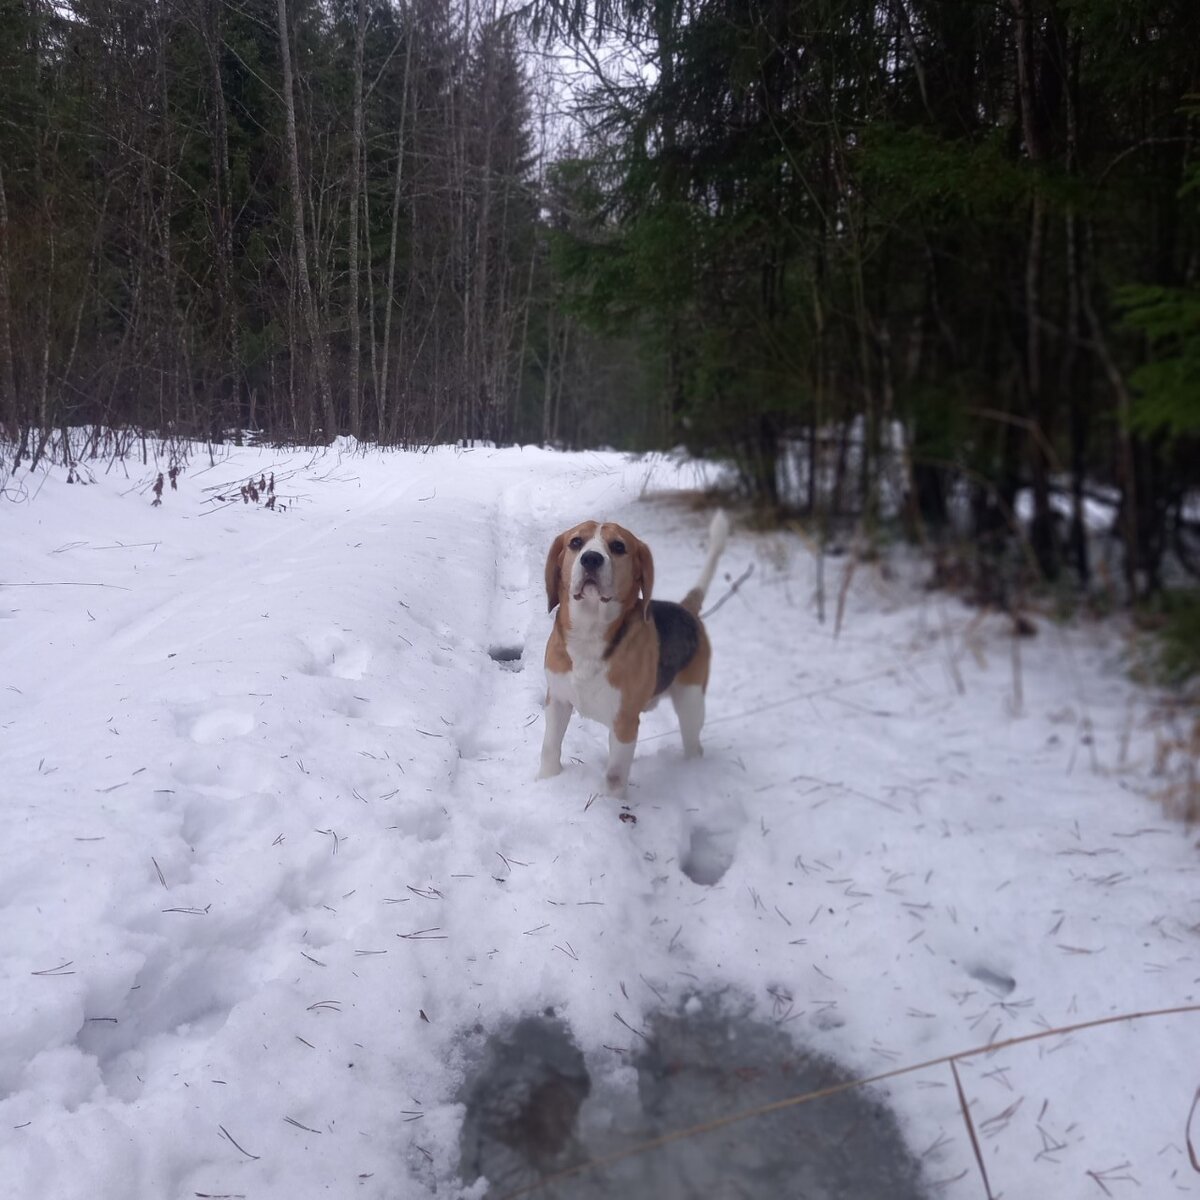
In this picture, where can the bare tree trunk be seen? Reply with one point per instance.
(483, 240)
(93, 269)
(817, 492)
(8, 387)
(547, 376)
(169, 334)
(222, 206)
(1069, 383)
(558, 387)
(307, 300)
(464, 408)
(1043, 537)
(524, 346)
(355, 178)
(381, 398)
(44, 420)
(372, 339)
(1026, 83)
(1126, 463)
(1042, 532)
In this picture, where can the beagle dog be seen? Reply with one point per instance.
(614, 651)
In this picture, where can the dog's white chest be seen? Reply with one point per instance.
(585, 686)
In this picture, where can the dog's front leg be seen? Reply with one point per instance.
(622, 741)
(558, 717)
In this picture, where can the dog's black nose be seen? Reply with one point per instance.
(592, 560)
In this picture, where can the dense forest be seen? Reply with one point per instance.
(922, 260)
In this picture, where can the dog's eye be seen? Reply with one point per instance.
(576, 543)
(617, 547)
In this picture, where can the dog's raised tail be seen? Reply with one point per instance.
(718, 535)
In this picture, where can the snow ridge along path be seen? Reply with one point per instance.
(275, 864)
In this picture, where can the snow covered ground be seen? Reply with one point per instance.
(274, 860)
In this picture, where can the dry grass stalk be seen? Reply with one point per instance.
(1191, 1145)
(844, 593)
(966, 1112)
(298, 1125)
(231, 1138)
(1018, 680)
(1109, 1175)
(1177, 757)
(55, 972)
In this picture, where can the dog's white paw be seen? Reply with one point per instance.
(549, 770)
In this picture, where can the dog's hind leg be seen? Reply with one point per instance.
(688, 699)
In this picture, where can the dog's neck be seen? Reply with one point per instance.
(592, 623)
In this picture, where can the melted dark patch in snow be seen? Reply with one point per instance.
(533, 1110)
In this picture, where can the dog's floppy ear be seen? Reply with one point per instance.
(643, 573)
(554, 571)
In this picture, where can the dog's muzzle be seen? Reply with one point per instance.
(591, 562)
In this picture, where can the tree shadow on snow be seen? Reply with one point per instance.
(533, 1111)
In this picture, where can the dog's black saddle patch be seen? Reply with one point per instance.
(678, 640)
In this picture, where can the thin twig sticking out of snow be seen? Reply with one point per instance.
(966, 1112)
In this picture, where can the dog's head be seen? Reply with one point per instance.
(599, 564)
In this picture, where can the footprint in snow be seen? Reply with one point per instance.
(221, 725)
(509, 657)
(708, 853)
(239, 770)
(421, 820)
(388, 712)
(335, 655)
(207, 727)
(711, 824)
